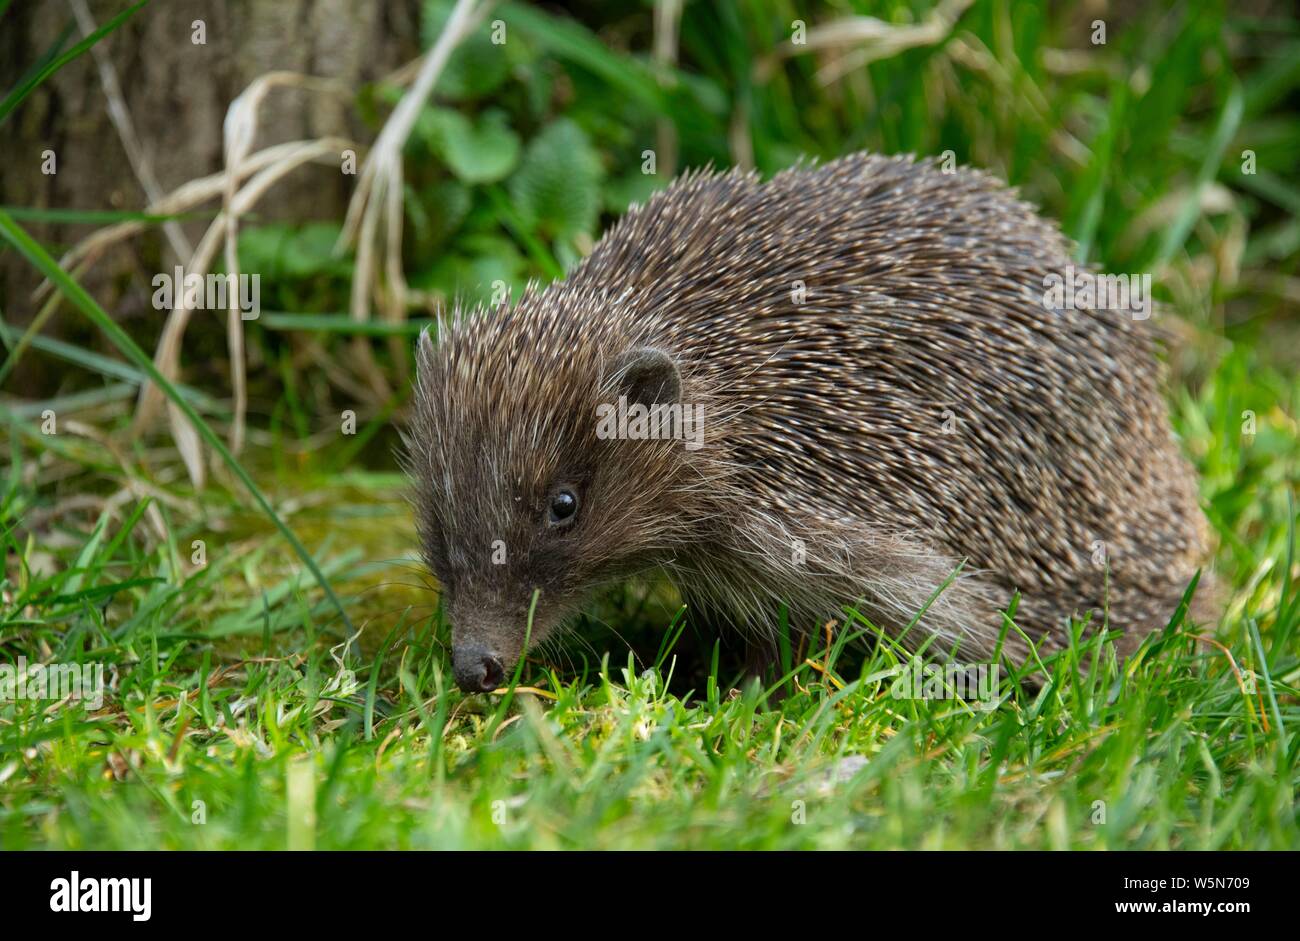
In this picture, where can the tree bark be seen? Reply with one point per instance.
(177, 93)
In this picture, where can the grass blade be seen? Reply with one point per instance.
(74, 292)
(16, 96)
(1177, 233)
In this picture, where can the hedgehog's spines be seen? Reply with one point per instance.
(885, 393)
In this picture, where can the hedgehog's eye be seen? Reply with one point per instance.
(564, 504)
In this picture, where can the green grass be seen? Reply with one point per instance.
(243, 711)
(233, 690)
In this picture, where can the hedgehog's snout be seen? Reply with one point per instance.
(477, 669)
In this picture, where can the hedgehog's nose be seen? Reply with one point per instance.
(477, 670)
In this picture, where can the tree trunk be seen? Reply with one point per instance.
(177, 92)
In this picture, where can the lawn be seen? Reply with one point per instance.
(247, 706)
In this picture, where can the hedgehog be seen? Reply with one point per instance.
(843, 389)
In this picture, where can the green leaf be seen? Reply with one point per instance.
(476, 152)
(261, 248)
(557, 189)
(477, 66)
(281, 251)
(448, 203)
(471, 277)
(310, 251)
(569, 40)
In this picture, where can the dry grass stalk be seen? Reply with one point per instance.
(261, 170)
(167, 355)
(247, 176)
(872, 38)
(668, 17)
(379, 188)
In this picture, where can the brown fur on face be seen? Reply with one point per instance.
(506, 417)
(887, 398)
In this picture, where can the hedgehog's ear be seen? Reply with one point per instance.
(647, 377)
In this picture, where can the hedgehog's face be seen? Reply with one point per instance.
(526, 503)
